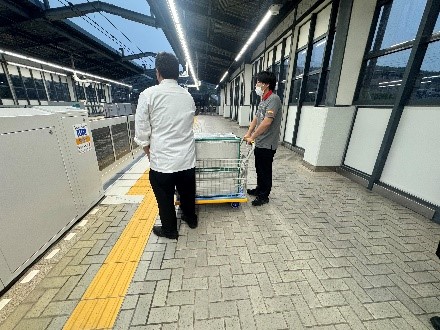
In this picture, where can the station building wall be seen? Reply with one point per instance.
(360, 85)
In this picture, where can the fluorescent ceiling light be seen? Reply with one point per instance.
(61, 67)
(224, 76)
(179, 30)
(389, 82)
(431, 77)
(37, 69)
(254, 34)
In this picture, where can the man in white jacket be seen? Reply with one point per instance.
(164, 121)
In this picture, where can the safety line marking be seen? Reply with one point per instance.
(69, 237)
(3, 303)
(100, 304)
(83, 223)
(52, 254)
(96, 209)
(30, 276)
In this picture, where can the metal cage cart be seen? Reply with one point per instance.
(221, 169)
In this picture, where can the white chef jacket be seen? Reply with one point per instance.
(164, 121)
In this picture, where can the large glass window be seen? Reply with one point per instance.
(18, 87)
(383, 78)
(30, 88)
(311, 88)
(316, 61)
(5, 91)
(437, 25)
(66, 92)
(120, 94)
(276, 71)
(282, 78)
(295, 90)
(317, 55)
(295, 86)
(396, 29)
(101, 94)
(60, 91)
(300, 62)
(398, 22)
(91, 94)
(427, 86)
(40, 89)
(52, 89)
(79, 90)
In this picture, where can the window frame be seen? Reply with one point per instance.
(372, 54)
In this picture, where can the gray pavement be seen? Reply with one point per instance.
(325, 253)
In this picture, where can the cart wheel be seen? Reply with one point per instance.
(235, 205)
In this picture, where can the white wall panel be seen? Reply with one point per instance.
(12, 70)
(247, 84)
(6, 101)
(288, 46)
(413, 164)
(25, 72)
(322, 21)
(290, 123)
(310, 130)
(366, 138)
(334, 137)
(36, 74)
(360, 22)
(278, 54)
(269, 57)
(303, 35)
(306, 125)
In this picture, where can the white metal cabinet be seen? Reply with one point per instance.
(82, 166)
(36, 198)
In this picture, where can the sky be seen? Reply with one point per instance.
(142, 38)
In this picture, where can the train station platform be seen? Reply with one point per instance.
(325, 253)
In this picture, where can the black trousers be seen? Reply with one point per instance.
(263, 166)
(164, 185)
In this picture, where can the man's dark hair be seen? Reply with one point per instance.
(167, 65)
(267, 77)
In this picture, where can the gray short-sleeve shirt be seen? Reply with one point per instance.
(271, 108)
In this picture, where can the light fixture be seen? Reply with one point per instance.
(34, 68)
(179, 30)
(224, 76)
(263, 22)
(275, 8)
(61, 67)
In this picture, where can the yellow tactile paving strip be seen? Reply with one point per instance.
(142, 186)
(103, 299)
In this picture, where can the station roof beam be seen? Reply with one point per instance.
(57, 14)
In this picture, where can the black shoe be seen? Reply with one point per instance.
(435, 321)
(252, 192)
(191, 223)
(157, 230)
(260, 201)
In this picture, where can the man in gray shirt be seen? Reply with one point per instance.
(264, 130)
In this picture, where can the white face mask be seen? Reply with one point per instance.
(259, 91)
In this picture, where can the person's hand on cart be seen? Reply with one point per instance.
(248, 138)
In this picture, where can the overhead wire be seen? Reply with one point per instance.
(121, 32)
(101, 29)
(94, 24)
